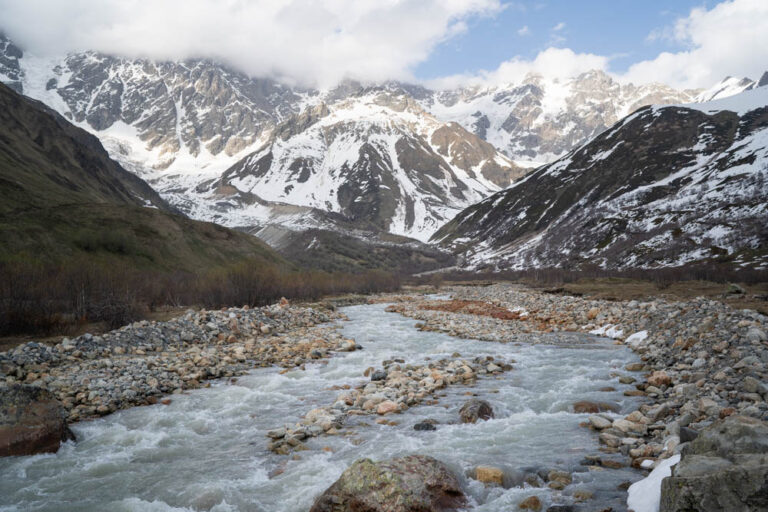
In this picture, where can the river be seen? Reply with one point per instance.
(207, 449)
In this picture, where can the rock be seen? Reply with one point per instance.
(378, 375)
(530, 503)
(559, 479)
(585, 407)
(724, 469)
(475, 409)
(32, 421)
(659, 378)
(599, 423)
(489, 475)
(414, 483)
(386, 407)
(634, 367)
(425, 425)
(687, 434)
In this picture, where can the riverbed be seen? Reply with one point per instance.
(207, 450)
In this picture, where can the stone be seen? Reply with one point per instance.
(424, 426)
(386, 407)
(599, 423)
(378, 375)
(659, 378)
(559, 479)
(724, 469)
(414, 483)
(32, 421)
(687, 434)
(585, 407)
(530, 503)
(475, 409)
(489, 475)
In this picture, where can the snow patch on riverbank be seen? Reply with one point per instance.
(645, 495)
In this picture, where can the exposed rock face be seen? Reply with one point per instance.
(539, 118)
(31, 421)
(376, 159)
(666, 186)
(415, 483)
(474, 410)
(724, 469)
(183, 124)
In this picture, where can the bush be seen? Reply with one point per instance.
(46, 298)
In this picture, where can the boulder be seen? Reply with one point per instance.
(724, 469)
(585, 407)
(530, 503)
(489, 475)
(475, 409)
(414, 483)
(659, 378)
(31, 421)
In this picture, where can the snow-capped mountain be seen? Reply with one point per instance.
(667, 185)
(729, 86)
(251, 152)
(540, 119)
(376, 159)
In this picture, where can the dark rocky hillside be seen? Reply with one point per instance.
(666, 186)
(61, 195)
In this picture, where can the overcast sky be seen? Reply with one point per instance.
(440, 42)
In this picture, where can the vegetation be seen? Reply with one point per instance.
(56, 298)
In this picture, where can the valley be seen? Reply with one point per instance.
(338, 256)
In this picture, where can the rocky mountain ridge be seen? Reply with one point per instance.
(258, 155)
(665, 186)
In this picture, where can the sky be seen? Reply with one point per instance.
(441, 43)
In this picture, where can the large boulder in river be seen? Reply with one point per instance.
(725, 469)
(31, 421)
(415, 483)
(475, 409)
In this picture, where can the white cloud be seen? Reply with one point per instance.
(552, 63)
(315, 42)
(318, 42)
(729, 39)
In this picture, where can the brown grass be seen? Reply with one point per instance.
(472, 307)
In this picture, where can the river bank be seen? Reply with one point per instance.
(701, 359)
(140, 363)
(565, 391)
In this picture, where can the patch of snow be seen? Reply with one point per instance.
(645, 495)
(636, 339)
(609, 331)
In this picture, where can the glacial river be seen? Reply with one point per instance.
(207, 451)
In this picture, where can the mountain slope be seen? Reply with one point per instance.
(665, 186)
(540, 119)
(730, 86)
(62, 196)
(376, 160)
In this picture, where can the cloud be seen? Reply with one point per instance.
(552, 63)
(524, 31)
(729, 39)
(311, 42)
